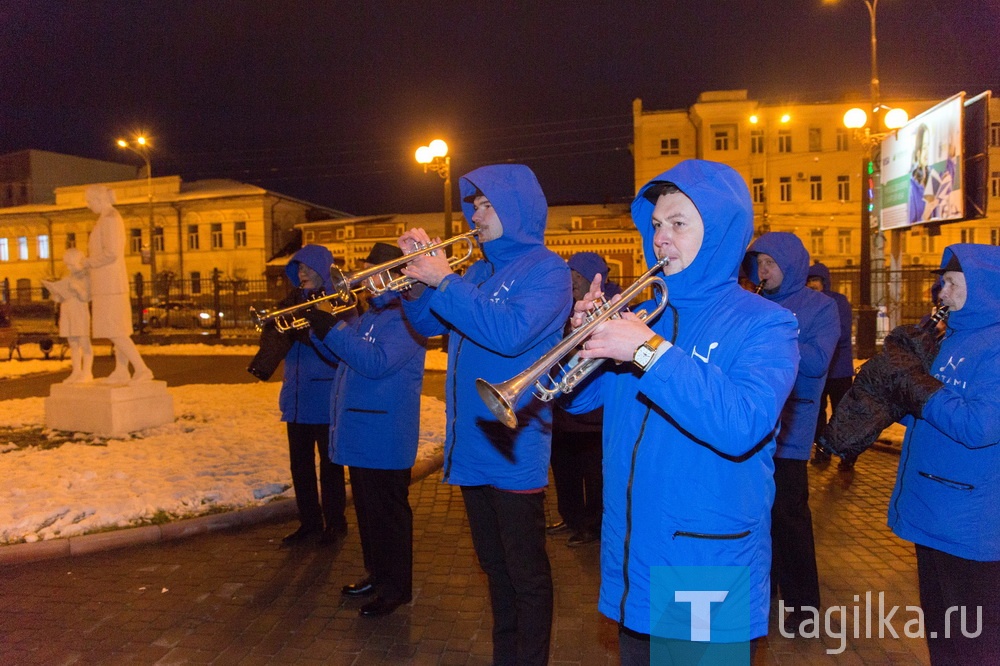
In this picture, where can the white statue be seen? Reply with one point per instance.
(73, 293)
(112, 309)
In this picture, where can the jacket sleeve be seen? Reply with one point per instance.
(972, 418)
(818, 340)
(420, 316)
(376, 347)
(534, 305)
(733, 410)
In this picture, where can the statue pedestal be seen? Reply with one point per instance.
(112, 410)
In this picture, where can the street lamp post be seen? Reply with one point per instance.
(141, 148)
(434, 157)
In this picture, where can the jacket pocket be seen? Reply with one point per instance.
(957, 485)
(712, 536)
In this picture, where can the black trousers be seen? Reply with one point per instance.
(833, 390)
(576, 469)
(508, 533)
(303, 441)
(385, 523)
(951, 582)
(793, 552)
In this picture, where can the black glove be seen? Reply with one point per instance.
(319, 321)
(274, 345)
(915, 389)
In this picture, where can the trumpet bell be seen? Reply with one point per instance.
(499, 401)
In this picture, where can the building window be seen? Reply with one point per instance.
(216, 231)
(670, 146)
(193, 242)
(995, 135)
(843, 188)
(43, 246)
(816, 188)
(757, 141)
(724, 137)
(70, 240)
(195, 282)
(158, 243)
(135, 241)
(784, 141)
(842, 139)
(785, 188)
(994, 236)
(927, 243)
(240, 235)
(815, 140)
(22, 248)
(995, 184)
(844, 241)
(816, 242)
(968, 236)
(758, 190)
(4, 250)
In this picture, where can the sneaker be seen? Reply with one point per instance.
(582, 538)
(557, 527)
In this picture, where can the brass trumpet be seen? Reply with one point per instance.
(502, 398)
(378, 279)
(760, 287)
(285, 319)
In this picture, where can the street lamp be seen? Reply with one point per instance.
(140, 146)
(434, 157)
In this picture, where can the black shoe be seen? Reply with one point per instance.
(300, 535)
(846, 464)
(379, 607)
(557, 527)
(362, 588)
(820, 457)
(332, 535)
(582, 538)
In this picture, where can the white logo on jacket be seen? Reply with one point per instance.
(948, 380)
(368, 337)
(694, 352)
(497, 297)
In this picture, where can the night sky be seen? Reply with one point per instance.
(327, 100)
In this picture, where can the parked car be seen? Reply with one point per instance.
(178, 314)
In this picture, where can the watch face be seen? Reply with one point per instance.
(642, 356)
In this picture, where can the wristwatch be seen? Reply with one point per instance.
(645, 352)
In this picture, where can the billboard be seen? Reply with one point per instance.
(922, 168)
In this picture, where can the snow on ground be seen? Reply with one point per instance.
(226, 449)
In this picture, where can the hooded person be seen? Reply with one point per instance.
(782, 262)
(304, 401)
(505, 312)
(374, 430)
(948, 479)
(689, 425)
(838, 379)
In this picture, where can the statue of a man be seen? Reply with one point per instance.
(112, 308)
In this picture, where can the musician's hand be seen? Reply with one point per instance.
(583, 307)
(319, 321)
(617, 338)
(428, 268)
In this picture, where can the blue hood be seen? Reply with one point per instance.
(822, 272)
(315, 257)
(791, 256)
(714, 189)
(519, 202)
(981, 266)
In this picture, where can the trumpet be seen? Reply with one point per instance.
(379, 279)
(551, 378)
(286, 320)
(760, 286)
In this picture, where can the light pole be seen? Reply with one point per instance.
(141, 148)
(434, 157)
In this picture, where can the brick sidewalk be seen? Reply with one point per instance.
(236, 597)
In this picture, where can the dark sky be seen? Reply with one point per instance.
(327, 100)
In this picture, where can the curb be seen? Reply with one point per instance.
(87, 544)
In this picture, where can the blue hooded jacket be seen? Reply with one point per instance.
(308, 376)
(504, 313)
(688, 475)
(948, 481)
(842, 364)
(375, 403)
(819, 329)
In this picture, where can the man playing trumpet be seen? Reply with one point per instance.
(504, 313)
(689, 422)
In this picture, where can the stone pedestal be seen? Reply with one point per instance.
(112, 410)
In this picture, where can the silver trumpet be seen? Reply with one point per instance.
(379, 279)
(551, 378)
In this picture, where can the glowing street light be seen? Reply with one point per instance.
(434, 157)
(140, 146)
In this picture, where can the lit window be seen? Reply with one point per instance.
(240, 235)
(193, 239)
(216, 230)
(22, 248)
(43, 246)
(4, 250)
